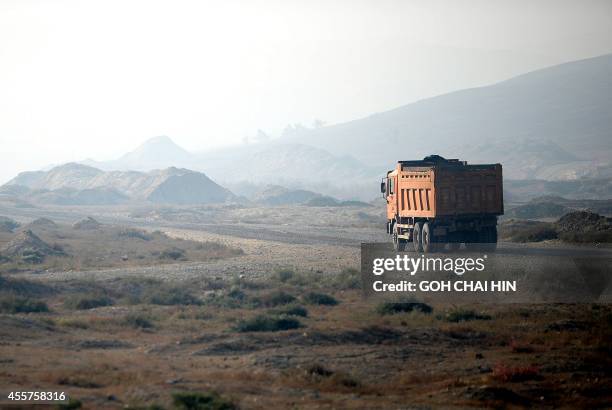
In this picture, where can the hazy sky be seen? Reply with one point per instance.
(94, 79)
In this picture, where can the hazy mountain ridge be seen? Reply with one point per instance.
(566, 110)
(295, 165)
(552, 124)
(155, 153)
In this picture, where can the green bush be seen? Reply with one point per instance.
(137, 321)
(170, 296)
(237, 294)
(87, 302)
(173, 254)
(295, 310)
(314, 298)
(131, 233)
(232, 299)
(284, 275)
(391, 308)
(72, 404)
(16, 304)
(464, 315)
(349, 278)
(268, 323)
(201, 401)
(274, 299)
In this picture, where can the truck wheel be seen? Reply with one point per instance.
(416, 237)
(399, 244)
(427, 240)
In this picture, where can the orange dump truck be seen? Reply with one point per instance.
(437, 203)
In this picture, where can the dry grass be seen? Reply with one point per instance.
(248, 341)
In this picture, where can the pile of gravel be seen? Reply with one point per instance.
(583, 221)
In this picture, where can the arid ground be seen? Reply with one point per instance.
(272, 316)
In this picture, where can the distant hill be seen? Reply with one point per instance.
(78, 184)
(554, 123)
(279, 195)
(155, 153)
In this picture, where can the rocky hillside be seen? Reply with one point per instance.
(550, 124)
(77, 184)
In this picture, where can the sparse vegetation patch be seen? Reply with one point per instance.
(84, 302)
(202, 401)
(273, 299)
(391, 308)
(464, 315)
(292, 310)
(18, 304)
(315, 298)
(268, 323)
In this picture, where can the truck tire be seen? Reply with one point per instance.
(428, 242)
(416, 237)
(399, 244)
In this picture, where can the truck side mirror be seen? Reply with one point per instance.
(383, 187)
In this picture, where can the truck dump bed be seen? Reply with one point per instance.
(437, 187)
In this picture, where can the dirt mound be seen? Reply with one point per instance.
(279, 195)
(7, 224)
(87, 223)
(42, 223)
(29, 248)
(583, 221)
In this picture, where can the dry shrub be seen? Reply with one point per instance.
(268, 323)
(315, 298)
(17, 304)
(274, 299)
(505, 373)
(519, 347)
(202, 401)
